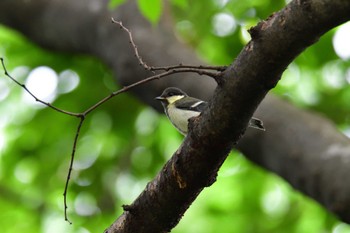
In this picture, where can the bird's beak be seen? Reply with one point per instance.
(160, 98)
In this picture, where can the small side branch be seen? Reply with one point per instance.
(201, 70)
(82, 118)
(142, 63)
(200, 67)
(36, 99)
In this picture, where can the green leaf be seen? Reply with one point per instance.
(180, 3)
(114, 3)
(151, 9)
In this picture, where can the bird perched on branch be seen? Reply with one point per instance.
(179, 108)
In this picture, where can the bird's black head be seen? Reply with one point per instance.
(170, 95)
(172, 91)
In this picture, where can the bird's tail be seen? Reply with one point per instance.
(256, 123)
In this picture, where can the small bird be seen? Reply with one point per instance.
(179, 108)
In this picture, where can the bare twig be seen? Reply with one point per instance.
(132, 43)
(36, 99)
(200, 67)
(153, 77)
(82, 118)
(165, 68)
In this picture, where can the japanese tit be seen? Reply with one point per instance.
(179, 108)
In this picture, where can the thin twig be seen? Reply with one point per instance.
(165, 68)
(200, 67)
(37, 99)
(153, 77)
(82, 118)
(132, 43)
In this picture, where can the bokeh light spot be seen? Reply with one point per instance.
(275, 202)
(224, 24)
(4, 89)
(341, 41)
(26, 170)
(42, 82)
(85, 204)
(332, 75)
(68, 80)
(146, 121)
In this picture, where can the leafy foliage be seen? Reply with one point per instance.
(115, 3)
(151, 9)
(127, 146)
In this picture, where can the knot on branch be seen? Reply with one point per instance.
(129, 208)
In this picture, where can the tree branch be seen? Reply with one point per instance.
(213, 134)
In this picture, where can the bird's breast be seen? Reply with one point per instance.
(179, 118)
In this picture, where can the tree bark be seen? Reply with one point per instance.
(302, 147)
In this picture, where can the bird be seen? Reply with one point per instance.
(179, 108)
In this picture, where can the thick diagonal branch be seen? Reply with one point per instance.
(243, 85)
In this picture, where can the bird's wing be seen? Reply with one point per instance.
(192, 104)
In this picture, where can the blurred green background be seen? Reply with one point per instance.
(126, 147)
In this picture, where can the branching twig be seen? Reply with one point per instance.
(165, 68)
(133, 44)
(82, 118)
(80, 115)
(99, 103)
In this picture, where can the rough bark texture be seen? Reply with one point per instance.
(302, 147)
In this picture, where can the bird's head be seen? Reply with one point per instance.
(170, 95)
